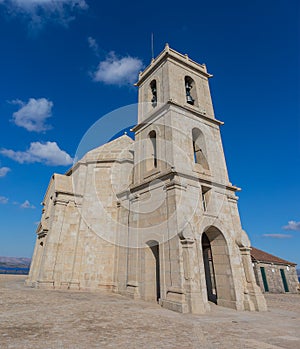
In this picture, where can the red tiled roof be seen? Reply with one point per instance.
(262, 256)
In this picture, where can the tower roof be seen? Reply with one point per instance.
(170, 54)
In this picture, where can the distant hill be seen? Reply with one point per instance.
(298, 273)
(14, 265)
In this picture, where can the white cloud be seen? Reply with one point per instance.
(93, 44)
(278, 236)
(4, 171)
(292, 225)
(3, 200)
(118, 71)
(27, 204)
(33, 114)
(49, 3)
(48, 153)
(39, 11)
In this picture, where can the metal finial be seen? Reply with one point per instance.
(152, 45)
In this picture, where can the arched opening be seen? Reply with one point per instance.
(152, 271)
(199, 148)
(190, 90)
(209, 270)
(153, 93)
(152, 151)
(205, 193)
(218, 272)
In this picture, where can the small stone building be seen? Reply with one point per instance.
(273, 274)
(155, 218)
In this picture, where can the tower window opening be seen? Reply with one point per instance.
(205, 197)
(189, 84)
(154, 93)
(196, 149)
(152, 136)
(199, 148)
(198, 153)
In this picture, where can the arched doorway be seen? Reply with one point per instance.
(152, 271)
(218, 272)
(209, 270)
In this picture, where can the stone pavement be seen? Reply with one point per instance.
(33, 318)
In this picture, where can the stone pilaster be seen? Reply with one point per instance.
(253, 297)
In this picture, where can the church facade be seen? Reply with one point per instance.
(155, 218)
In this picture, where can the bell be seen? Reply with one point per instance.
(154, 96)
(189, 99)
(154, 101)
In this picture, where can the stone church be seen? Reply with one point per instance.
(155, 218)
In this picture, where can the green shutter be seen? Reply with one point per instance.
(264, 277)
(286, 287)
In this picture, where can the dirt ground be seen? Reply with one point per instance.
(33, 318)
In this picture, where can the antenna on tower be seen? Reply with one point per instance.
(152, 45)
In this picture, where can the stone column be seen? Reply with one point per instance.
(253, 297)
(67, 249)
(133, 250)
(46, 275)
(121, 256)
(74, 282)
(175, 295)
(194, 297)
(30, 281)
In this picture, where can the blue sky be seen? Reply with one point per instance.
(66, 63)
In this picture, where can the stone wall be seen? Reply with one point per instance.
(274, 279)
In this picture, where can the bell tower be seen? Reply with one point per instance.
(178, 79)
(185, 243)
(177, 127)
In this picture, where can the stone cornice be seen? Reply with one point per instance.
(63, 198)
(197, 113)
(156, 114)
(171, 174)
(168, 54)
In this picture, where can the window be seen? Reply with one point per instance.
(199, 148)
(190, 91)
(154, 93)
(205, 197)
(153, 154)
(196, 151)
